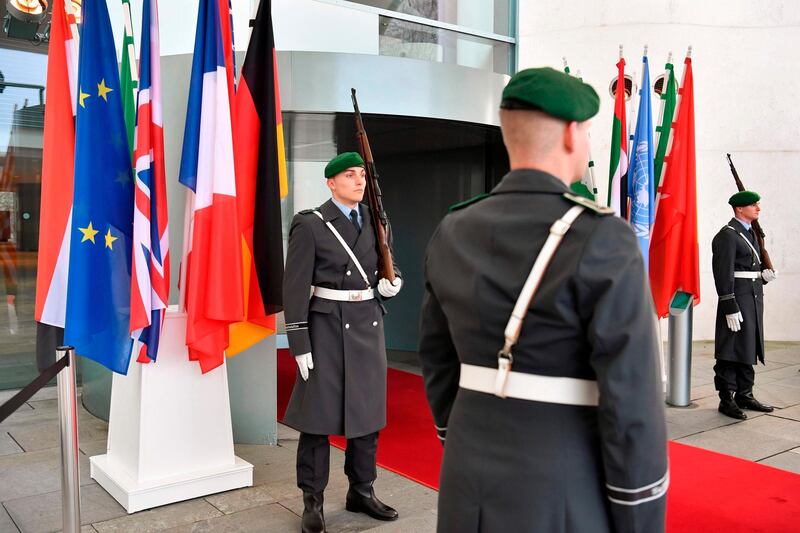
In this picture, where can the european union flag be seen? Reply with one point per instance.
(99, 285)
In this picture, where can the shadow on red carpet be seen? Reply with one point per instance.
(708, 492)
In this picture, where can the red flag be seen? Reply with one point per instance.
(58, 164)
(674, 262)
(260, 184)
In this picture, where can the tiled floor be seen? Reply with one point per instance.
(30, 462)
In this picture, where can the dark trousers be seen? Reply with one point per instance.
(313, 461)
(733, 376)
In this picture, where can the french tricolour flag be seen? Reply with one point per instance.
(211, 266)
(150, 279)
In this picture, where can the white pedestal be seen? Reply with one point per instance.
(169, 433)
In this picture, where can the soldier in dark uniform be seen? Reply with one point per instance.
(740, 278)
(337, 339)
(567, 433)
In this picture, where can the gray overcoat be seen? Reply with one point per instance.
(732, 253)
(346, 391)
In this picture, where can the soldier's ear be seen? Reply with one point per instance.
(570, 137)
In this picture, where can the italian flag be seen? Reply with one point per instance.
(129, 74)
(618, 171)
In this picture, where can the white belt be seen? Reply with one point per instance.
(533, 387)
(747, 275)
(344, 296)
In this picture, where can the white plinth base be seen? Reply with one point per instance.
(169, 433)
(136, 496)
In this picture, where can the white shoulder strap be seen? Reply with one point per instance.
(514, 326)
(346, 248)
(750, 244)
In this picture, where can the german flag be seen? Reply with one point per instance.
(260, 184)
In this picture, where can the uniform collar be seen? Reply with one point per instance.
(744, 224)
(330, 211)
(346, 210)
(530, 181)
(738, 224)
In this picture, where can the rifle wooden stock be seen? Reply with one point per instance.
(380, 220)
(765, 258)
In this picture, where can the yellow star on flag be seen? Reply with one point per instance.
(110, 239)
(102, 90)
(81, 97)
(88, 233)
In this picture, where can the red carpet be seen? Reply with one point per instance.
(709, 492)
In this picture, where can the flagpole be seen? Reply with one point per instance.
(592, 182)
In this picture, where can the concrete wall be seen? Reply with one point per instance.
(746, 64)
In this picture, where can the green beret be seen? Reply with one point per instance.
(343, 162)
(553, 92)
(743, 198)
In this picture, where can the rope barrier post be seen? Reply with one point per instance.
(679, 377)
(68, 422)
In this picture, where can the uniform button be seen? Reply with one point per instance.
(375, 323)
(347, 326)
(376, 272)
(348, 272)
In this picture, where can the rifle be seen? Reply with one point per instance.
(381, 225)
(766, 261)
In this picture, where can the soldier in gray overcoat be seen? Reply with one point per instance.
(739, 277)
(563, 429)
(336, 337)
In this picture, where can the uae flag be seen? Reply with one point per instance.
(618, 172)
(674, 262)
(58, 165)
(260, 184)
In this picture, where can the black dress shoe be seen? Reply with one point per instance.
(361, 499)
(313, 519)
(746, 401)
(729, 408)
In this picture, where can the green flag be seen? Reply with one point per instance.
(129, 74)
(669, 97)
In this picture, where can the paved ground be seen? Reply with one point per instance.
(30, 483)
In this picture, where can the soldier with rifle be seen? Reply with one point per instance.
(340, 254)
(741, 267)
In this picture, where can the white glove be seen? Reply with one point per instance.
(387, 288)
(769, 275)
(304, 363)
(734, 321)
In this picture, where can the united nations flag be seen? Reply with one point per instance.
(99, 285)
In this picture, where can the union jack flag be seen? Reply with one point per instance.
(150, 279)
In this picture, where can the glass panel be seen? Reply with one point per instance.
(492, 16)
(400, 38)
(21, 130)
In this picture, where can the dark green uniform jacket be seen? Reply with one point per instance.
(527, 466)
(732, 253)
(346, 391)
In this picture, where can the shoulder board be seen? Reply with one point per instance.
(588, 204)
(306, 212)
(465, 203)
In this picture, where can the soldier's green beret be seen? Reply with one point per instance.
(553, 92)
(343, 162)
(743, 198)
